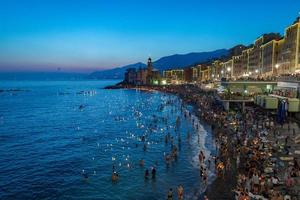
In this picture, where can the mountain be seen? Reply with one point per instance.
(116, 73)
(181, 61)
(173, 61)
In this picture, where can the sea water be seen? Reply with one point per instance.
(53, 132)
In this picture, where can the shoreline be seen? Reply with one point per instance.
(219, 188)
(260, 157)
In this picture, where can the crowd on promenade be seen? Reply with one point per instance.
(252, 146)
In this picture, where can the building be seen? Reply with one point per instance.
(205, 74)
(269, 58)
(237, 66)
(255, 53)
(245, 62)
(188, 75)
(143, 76)
(227, 69)
(216, 69)
(289, 56)
(174, 76)
(130, 76)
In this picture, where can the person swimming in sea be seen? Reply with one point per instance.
(166, 139)
(180, 192)
(146, 176)
(114, 176)
(153, 172)
(85, 175)
(142, 163)
(170, 194)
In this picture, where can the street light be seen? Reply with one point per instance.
(228, 69)
(222, 72)
(277, 66)
(256, 71)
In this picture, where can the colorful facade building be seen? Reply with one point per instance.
(227, 69)
(237, 66)
(143, 76)
(289, 56)
(269, 57)
(174, 76)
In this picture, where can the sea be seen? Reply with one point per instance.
(61, 139)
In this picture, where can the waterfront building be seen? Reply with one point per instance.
(188, 75)
(227, 69)
(204, 73)
(245, 62)
(255, 53)
(289, 50)
(216, 69)
(141, 77)
(153, 75)
(237, 66)
(174, 76)
(130, 76)
(269, 58)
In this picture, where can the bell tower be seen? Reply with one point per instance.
(149, 65)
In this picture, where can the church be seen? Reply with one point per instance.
(143, 76)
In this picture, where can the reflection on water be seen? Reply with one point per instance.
(64, 140)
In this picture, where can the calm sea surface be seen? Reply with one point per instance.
(53, 131)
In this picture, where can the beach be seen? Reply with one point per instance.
(259, 156)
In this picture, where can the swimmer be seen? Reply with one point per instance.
(180, 192)
(146, 174)
(84, 175)
(114, 177)
(166, 139)
(153, 172)
(170, 194)
(142, 163)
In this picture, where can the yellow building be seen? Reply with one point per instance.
(205, 73)
(216, 68)
(174, 76)
(245, 61)
(269, 58)
(288, 58)
(237, 68)
(254, 65)
(227, 69)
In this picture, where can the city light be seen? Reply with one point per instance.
(228, 69)
(277, 66)
(256, 71)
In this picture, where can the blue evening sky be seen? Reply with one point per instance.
(83, 35)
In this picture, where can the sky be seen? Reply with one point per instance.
(88, 35)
